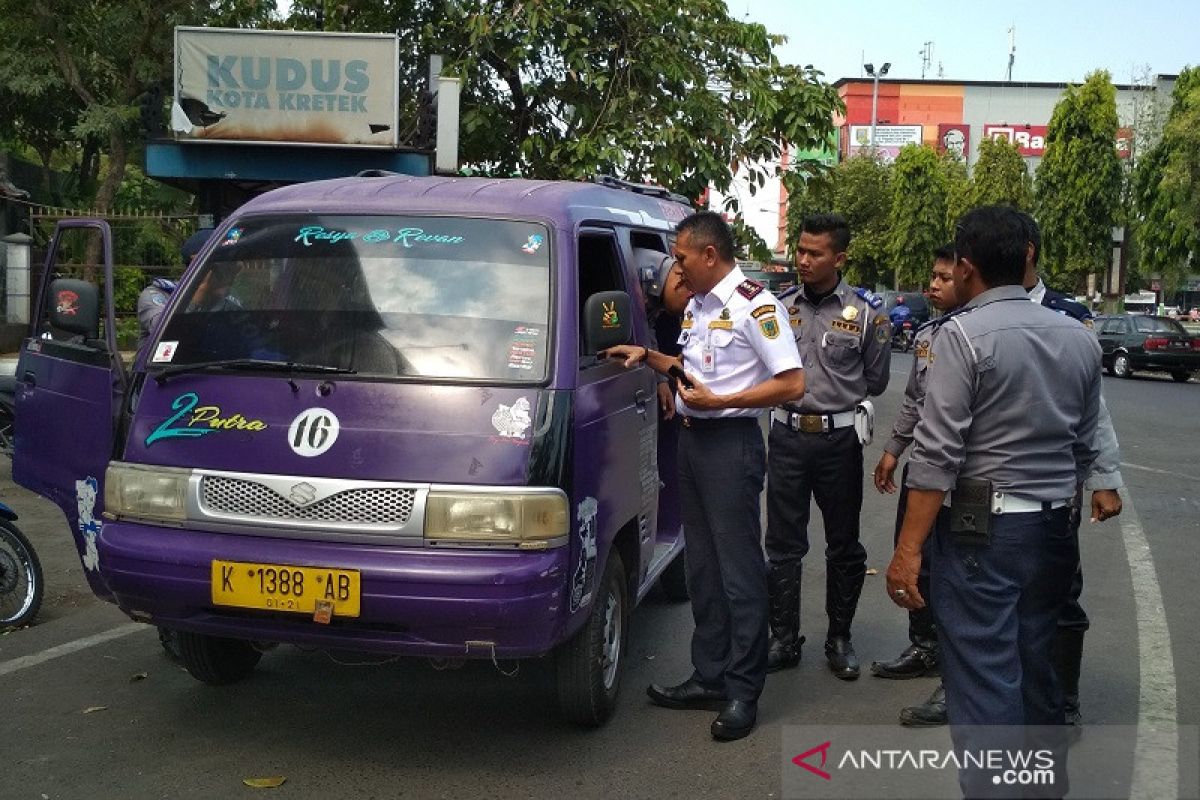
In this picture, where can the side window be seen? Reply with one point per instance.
(1125, 326)
(599, 269)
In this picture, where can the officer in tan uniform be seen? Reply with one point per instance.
(844, 338)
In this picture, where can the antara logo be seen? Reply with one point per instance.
(823, 749)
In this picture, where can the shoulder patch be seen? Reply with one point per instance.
(788, 292)
(763, 310)
(769, 327)
(873, 300)
(749, 289)
(1069, 307)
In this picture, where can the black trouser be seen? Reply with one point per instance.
(829, 468)
(721, 467)
(1073, 616)
(921, 629)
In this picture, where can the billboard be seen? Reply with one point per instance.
(1029, 139)
(954, 138)
(888, 139)
(286, 87)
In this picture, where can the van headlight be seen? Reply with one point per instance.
(145, 492)
(526, 520)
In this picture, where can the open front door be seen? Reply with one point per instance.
(70, 382)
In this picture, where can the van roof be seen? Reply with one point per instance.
(564, 203)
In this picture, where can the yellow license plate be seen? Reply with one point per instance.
(278, 587)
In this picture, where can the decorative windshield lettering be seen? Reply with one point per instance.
(407, 237)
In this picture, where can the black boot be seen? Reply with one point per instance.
(929, 714)
(914, 662)
(841, 601)
(1067, 655)
(783, 585)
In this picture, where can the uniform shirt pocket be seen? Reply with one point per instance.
(720, 337)
(840, 349)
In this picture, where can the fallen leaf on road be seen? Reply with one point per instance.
(872, 571)
(141, 676)
(265, 783)
(94, 709)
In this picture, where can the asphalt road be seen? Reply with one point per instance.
(88, 724)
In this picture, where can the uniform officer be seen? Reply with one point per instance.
(737, 358)
(1103, 482)
(920, 657)
(1003, 551)
(844, 340)
(153, 299)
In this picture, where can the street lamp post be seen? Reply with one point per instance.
(870, 68)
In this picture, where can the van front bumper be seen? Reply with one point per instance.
(449, 603)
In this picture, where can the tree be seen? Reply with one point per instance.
(1166, 189)
(678, 93)
(1078, 186)
(861, 190)
(918, 214)
(1001, 176)
(958, 190)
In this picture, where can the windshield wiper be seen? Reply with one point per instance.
(289, 367)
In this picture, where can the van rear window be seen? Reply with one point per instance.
(432, 297)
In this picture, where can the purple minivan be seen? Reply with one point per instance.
(371, 418)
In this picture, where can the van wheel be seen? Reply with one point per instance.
(215, 660)
(589, 666)
(1121, 367)
(1181, 376)
(674, 579)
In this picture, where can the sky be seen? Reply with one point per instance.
(1056, 40)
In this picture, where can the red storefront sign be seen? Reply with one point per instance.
(1029, 139)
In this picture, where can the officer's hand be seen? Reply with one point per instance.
(699, 397)
(666, 401)
(885, 473)
(631, 354)
(1106, 503)
(902, 577)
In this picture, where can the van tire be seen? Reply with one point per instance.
(674, 579)
(215, 660)
(589, 666)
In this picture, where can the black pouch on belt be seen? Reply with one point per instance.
(971, 511)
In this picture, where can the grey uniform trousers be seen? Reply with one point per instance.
(722, 464)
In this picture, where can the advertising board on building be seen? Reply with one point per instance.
(888, 139)
(1031, 139)
(954, 138)
(286, 87)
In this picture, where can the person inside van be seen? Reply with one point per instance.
(666, 299)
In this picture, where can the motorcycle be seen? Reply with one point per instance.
(8, 390)
(20, 574)
(904, 335)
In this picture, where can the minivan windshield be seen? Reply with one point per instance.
(431, 297)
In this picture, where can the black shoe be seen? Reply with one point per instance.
(691, 694)
(783, 656)
(929, 714)
(842, 658)
(912, 663)
(736, 720)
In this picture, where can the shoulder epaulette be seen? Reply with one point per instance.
(871, 299)
(1065, 305)
(788, 292)
(163, 283)
(938, 322)
(749, 289)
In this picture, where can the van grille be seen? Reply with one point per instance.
(244, 498)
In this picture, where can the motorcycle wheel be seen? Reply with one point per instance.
(6, 430)
(20, 578)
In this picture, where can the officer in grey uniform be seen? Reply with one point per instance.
(1003, 551)
(154, 298)
(737, 358)
(845, 342)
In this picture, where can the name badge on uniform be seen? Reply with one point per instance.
(708, 361)
(848, 327)
(721, 324)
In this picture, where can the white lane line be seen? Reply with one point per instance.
(1126, 464)
(1156, 763)
(24, 662)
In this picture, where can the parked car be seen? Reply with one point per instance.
(1133, 342)
(914, 300)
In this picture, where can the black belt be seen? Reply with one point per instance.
(708, 423)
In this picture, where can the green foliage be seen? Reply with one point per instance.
(918, 214)
(1078, 187)
(958, 191)
(861, 192)
(1166, 189)
(1001, 176)
(809, 187)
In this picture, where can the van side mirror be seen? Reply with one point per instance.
(75, 307)
(607, 321)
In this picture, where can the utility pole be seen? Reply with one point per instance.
(926, 54)
(875, 76)
(1012, 49)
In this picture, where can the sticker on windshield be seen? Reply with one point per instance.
(521, 355)
(511, 422)
(313, 432)
(232, 237)
(584, 577)
(164, 352)
(533, 243)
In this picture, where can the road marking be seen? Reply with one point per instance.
(1156, 760)
(1160, 471)
(13, 665)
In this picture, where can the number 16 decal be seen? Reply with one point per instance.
(313, 432)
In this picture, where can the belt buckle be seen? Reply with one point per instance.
(811, 423)
(687, 422)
